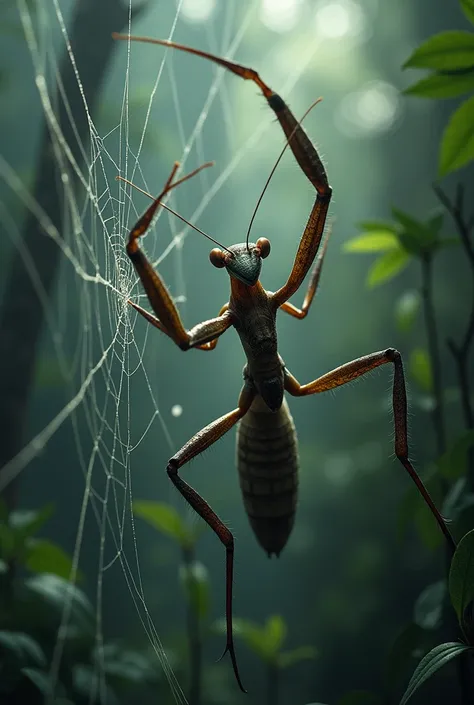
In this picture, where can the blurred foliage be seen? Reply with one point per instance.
(428, 612)
(402, 241)
(266, 641)
(18, 543)
(168, 521)
(33, 625)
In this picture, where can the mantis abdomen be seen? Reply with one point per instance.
(267, 461)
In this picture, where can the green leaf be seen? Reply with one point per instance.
(468, 9)
(374, 241)
(461, 575)
(453, 463)
(22, 647)
(44, 556)
(254, 636)
(443, 85)
(444, 52)
(265, 641)
(416, 236)
(18, 527)
(420, 369)
(286, 659)
(387, 266)
(57, 594)
(275, 632)
(406, 310)
(195, 580)
(417, 227)
(429, 605)
(431, 663)
(165, 518)
(29, 521)
(457, 144)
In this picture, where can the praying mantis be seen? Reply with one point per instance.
(267, 449)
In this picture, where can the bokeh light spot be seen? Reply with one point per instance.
(176, 410)
(373, 108)
(339, 18)
(339, 468)
(281, 15)
(197, 10)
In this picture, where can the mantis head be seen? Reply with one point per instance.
(242, 261)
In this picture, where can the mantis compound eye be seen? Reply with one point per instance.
(217, 258)
(263, 245)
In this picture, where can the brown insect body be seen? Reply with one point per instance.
(254, 314)
(267, 462)
(267, 451)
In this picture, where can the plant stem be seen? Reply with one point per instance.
(194, 638)
(433, 347)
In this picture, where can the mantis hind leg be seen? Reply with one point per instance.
(350, 371)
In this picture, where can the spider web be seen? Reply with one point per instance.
(100, 356)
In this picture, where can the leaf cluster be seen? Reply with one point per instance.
(450, 58)
(19, 543)
(32, 609)
(398, 243)
(461, 593)
(266, 641)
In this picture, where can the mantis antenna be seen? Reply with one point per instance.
(163, 205)
(274, 169)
